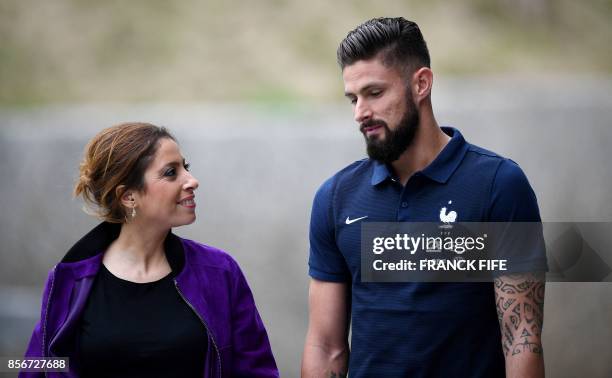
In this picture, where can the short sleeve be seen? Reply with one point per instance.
(514, 203)
(325, 262)
(512, 198)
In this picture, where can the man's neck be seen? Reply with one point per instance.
(429, 140)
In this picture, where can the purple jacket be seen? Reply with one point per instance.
(210, 282)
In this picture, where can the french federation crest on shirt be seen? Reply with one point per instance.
(447, 216)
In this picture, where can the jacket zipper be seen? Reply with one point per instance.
(44, 325)
(210, 335)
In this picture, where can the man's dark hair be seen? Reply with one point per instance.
(398, 40)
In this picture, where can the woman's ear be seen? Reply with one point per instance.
(126, 197)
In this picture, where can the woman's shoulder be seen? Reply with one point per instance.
(207, 256)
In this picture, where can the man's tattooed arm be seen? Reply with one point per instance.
(520, 310)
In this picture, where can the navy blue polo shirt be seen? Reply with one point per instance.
(419, 329)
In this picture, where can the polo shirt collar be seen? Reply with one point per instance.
(381, 173)
(447, 161)
(438, 170)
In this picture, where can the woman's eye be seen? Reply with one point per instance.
(170, 172)
(187, 166)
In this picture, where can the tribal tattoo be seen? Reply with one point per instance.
(520, 311)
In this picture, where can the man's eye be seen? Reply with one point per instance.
(170, 172)
(353, 101)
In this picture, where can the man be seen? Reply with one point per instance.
(416, 171)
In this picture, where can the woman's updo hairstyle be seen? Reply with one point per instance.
(118, 155)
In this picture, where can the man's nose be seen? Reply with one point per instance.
(362, 111)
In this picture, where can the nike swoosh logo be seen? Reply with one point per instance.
(349, 220)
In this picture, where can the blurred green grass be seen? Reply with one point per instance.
(67, 51)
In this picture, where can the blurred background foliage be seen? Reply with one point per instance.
(67, 51)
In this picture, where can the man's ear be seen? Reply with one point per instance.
(422, 82)
(126, 197)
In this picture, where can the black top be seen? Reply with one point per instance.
(133, 329)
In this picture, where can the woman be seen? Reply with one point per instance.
(133, 299)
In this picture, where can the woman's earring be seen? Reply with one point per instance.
(133, 212)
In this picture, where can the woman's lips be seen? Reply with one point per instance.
(188, 203)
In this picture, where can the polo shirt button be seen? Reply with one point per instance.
(404, 204)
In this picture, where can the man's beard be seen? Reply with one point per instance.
(395, 142)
